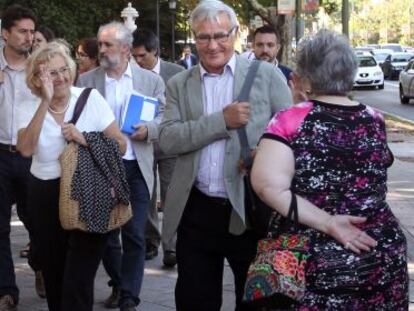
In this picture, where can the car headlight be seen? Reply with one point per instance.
(378, 73)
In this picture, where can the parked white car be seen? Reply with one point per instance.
(407, 83)
(369, 73)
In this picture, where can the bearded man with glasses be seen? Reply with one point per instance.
(205, 200)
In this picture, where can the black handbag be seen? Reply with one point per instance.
(258, 214)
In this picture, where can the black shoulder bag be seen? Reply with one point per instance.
(258, 213)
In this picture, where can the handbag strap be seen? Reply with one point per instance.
(80, 104)
(293, 215)
(244, 96)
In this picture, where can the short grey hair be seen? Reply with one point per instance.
(327, 61)
(122, 34)
(211, 10)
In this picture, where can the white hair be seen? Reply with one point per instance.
(122, 34)
(211, 10)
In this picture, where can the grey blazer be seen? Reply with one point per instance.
(168, 70)
(185, 130)
(149, 84)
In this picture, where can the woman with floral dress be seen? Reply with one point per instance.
(331, 153)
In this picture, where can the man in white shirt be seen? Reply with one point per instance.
(145, 51)
(17, 105)
(116, 79)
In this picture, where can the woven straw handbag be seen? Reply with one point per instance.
(69, 209)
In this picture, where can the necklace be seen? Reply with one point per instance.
(59, 112)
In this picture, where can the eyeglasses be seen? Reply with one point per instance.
(220, 37)
(62, 71)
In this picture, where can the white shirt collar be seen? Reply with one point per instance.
(127, 73)
(157, 67)
(231, 65)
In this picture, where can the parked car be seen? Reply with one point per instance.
(369, 73)
(394, 64)
(380, 55)
(360, 49)
(392, 46)
(407, 83)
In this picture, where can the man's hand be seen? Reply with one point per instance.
(141, 133)
(236, 114)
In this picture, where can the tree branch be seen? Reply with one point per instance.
(260, 10)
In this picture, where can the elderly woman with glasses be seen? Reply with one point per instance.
(331, 153)
(69, 259)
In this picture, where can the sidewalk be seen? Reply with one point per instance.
(158, 286)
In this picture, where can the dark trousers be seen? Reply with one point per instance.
(69, 259)
(14, 175)
(203, 242)
(126, 268)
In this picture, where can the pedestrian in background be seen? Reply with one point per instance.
(145, 51)
(205, 200)
(42, 36)
(188, 59)
(87, 54)
(266, 46)
(17, 105)
(331, 153)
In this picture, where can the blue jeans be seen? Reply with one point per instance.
(126, 268)
(14, 177)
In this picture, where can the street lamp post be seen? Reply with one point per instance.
(129, 14)
(173, 5)
(157, 13)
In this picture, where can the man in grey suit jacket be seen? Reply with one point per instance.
(145, 51)
(205, 200)
(115, 79)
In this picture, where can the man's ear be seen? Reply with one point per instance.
(5, 34)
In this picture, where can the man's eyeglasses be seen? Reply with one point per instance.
(220, 37)
(62, 71)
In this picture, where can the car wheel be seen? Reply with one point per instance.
(404, 100)
(381, 87)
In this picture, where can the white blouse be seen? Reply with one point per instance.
(96, 116)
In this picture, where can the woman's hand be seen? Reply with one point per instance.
(46, 80)
(71, 133)
(344, 229)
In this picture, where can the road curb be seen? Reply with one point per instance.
(399, 118)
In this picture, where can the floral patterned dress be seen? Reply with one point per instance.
(341, 158)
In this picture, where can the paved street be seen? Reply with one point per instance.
(158, 287)
(387, 100)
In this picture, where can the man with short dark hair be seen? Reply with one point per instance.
(189, 59)
(266, 46)
(145, 51)
(16, 103)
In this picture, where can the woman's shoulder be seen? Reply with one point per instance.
(287, 121)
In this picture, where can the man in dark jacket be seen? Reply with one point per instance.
(189, 59)
(266, 46)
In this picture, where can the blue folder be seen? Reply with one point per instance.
(139, 109)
